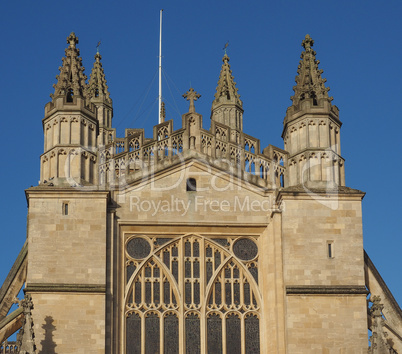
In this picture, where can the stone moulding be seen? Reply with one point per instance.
(326, 290)
(65, 288)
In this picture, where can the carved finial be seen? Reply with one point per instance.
(25, 338)
(191, 96)
(307, 42)
(376, 309)
(98, 57)
(162, 112)
(72, 39)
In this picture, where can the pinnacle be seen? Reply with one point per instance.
(97, 87)
(71, 80)
(226, 91)
(309, 83)
(162, 112)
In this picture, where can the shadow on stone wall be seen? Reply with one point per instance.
(48, 345)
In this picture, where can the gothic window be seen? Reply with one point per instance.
(191, 294)
(70, 95)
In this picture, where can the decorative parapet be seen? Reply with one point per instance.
(133, 157)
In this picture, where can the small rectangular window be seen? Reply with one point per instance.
(65, 208)
(330, 248)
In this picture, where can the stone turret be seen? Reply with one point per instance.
(98, 93)
(70, 126)
(312, 128)
(227, 108)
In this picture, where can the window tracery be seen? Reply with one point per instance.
(191, 294)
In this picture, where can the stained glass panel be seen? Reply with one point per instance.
(192, 330)
(252, 329)
(152, 334)
(233, 334)
(138, 248)
(245, 249)
(133, 334)
(171, 337)
(214, 335)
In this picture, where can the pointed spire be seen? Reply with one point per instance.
(226, 91)
(309, 83)
(97, 88)
(71, 80)
(227, 108)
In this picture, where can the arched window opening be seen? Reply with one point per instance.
(70, 95)
(191, 185)
(160, 270)
(65, 208)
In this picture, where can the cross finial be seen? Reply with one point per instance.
(307, 42)
(97, 47)
(191, 96)
(72, 39)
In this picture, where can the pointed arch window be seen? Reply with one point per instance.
(207, 286)
(70, 95)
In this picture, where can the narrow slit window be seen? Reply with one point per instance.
(191, 185)
(65, 209)
(330, 247)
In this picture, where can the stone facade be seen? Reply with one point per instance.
(198, 240)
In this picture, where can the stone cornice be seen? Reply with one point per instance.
(65, 288)
(312, 192)
(326, 290)
(53, 192)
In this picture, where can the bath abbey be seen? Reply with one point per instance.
(192, 240)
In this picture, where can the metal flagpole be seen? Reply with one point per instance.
(160, 69)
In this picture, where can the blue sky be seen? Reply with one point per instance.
(358, 44)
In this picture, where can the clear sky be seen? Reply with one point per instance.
(358, 44)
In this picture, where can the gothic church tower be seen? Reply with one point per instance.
(311, 128)
(70, 124)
